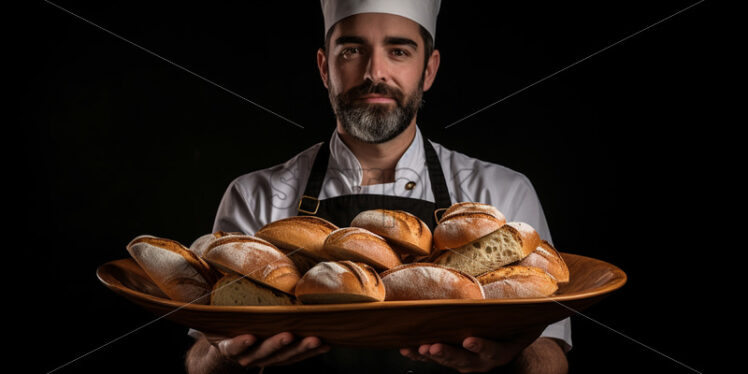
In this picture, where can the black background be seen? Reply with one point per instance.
(114, 142)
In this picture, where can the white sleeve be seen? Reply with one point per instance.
(235, 211)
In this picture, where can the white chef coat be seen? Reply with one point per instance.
(260, 197)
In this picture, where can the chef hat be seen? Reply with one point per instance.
(422, 12)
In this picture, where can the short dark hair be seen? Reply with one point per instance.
(428, 43)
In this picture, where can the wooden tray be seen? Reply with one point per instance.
(388, 324)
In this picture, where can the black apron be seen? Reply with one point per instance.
(341, 210)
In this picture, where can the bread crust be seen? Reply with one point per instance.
(405, 232)
(420, 281)
(254, 258)
(179, 273)
(517, 281)
(340, 281)
(202, 243)
(306, 234)
(467, 207)
(361, 245)
(301, 238)
(546, 257)
(460, 228)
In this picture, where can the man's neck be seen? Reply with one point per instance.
(378, 161)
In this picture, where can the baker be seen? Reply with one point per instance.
(377, 60)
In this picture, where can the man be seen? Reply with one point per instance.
(377, 60)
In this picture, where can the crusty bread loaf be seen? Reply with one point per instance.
(510, 243)
(254, 258)
(419, 281)
(331, 282)
(300, 237)
(361, 245)
(202, 243)
(472, 207)
(179, 273)
(406, 233)
(458, 229)
(547, 258)
(517, 282)
(235, 289)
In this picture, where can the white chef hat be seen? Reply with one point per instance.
(423, 12)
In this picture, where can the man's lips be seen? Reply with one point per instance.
(376, 99)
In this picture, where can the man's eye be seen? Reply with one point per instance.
(400, 52)
(350, 52)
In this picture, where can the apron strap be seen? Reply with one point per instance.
(436, 177)
(309, 202)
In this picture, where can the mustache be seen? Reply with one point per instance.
(368, 88)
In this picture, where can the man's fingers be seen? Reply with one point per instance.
(447, 355)
(412, 353)
(233, 347)
(266, 348)
(498, 352)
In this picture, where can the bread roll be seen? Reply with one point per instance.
(511, 242)
(419, 281)
(361, 245)
(331, 282)
(299, 237)
(254, 258)
(202, 243)
(471, 207)
(406, 233)
(234, 289)
(179, 273)
(517, 282)
(548, 259)
(458, 229)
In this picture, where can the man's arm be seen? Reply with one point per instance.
(543, 356)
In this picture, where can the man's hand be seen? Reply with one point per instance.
(474, 355)
(246, 351)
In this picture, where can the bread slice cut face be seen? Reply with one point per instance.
(510, 243)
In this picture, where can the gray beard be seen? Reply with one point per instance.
(376, 123)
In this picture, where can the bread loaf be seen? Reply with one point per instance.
(458, 229)
(299, 237)
(406, 233)
(548, 259)
(419, 281)
(331, 282)
(234, 289)
(361, 245)
(179, 273)
(472, 207)
(255, 258)
(202, 243)
(510, 243)
(517, 282)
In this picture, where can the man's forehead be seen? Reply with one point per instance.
(373, 27)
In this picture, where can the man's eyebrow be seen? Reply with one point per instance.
(390, 40)
(393, 40)
(349, 39)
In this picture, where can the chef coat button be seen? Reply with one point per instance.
(410, 185)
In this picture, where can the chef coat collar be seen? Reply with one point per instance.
(342, 160)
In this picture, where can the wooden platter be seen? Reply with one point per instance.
(388, 324)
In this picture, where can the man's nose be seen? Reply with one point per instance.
(377, 68)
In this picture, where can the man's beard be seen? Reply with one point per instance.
(375, 123)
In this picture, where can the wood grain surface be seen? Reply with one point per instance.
(387, 324)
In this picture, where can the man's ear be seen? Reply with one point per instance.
(431, 67)
(322, 66)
